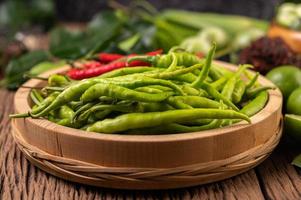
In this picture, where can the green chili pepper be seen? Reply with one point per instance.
(74, 92)
(215, 94)
(198, 102)
(160, 87)
(252, 81)
(172, 74)
(238, 91)
(65, 112)
(155, 106)
(174, 128)
(46, 102)
(130, 107)
(80, 110)
(174, 62)
(163, 61)
(57, 80)
(187, 78)
(126, 71)
(251, 108)
(102, 114)
(143, 120)
(205, 70)
(251, 93)
(197, 122)
(230, 84)
(174, 102)
(64, 122)
(148, 90)
(119, 92)
(256, 104)
(193, 91)
(135, 82)
(36, 97)
(218, 84)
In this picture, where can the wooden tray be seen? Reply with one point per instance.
(152, 161)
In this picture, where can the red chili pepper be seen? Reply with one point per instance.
(156, 52)
(79, 74)
(137, 63)
(109, 57)
(141, 63)
(91, 64)
(92, 69)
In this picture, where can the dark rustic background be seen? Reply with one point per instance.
(83, 10)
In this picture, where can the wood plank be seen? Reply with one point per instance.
(281, 180)
(21, 180)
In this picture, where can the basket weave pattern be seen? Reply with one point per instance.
(89, 171)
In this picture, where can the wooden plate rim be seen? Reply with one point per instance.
(22, 105)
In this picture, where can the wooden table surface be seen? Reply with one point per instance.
(275, 178)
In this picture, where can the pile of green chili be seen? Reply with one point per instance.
(179, 93)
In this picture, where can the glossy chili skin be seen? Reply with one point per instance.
(140, 120)
(112, 62)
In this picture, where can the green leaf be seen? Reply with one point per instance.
(297, 161)
(103, 20)
(17, 67)
(147, 41)
(74, 45)
(13, 14)
(45, 66)
(17, 14)
(127, 44)
(65, 43)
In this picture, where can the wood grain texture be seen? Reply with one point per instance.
(280, 179)
(21, 180)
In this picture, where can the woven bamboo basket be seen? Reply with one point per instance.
(149, 161)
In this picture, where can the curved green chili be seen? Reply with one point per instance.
(143, 120)
(118, 92)
(174, 102)
(171, 74)
(231, 82)
(238, 91)
(251, 93)
(174, 128)
(126, 71)
(163, 61)
(256, 104)
(205, 70)
(198, 102)
(215, 94)
(57, 80)
(252, 81)
(74, 91)
(218, 84)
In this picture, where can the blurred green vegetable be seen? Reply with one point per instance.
(230, 23)
(289, 15)
(45, 66)
(16, 14)
(203, 40)
(18, 67)
(72, 45)
(230, 32)
(244, 38)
